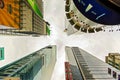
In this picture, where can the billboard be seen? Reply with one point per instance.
(97, 12)
(10, 13)
(1, 53)
(11, 78)
(35, 7)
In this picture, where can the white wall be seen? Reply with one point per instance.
(18, 46)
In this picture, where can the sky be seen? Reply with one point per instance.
(98, 44)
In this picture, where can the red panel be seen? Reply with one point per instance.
(68, 71)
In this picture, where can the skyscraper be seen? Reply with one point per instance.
(36, 66)
(85, 66)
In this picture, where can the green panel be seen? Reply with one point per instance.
(48, 30)
(1, 53)
(35, 7)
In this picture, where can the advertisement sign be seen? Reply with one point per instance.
(2, 53)
(97, 12)
(34, 6)
(9, 13)
(12, 78)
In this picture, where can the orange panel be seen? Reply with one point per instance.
(9, 13)
(11, 78)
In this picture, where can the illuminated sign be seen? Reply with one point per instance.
(1, 53)
(9, 13)
(95, 11)
(34, 6)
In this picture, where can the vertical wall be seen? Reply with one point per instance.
(49, 62)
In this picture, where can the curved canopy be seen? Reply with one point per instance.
(97, 12)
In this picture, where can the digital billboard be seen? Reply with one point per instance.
(97, 12)
(1, 53)
(35, 7)
(9, 13)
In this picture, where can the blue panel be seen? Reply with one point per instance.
(97, 12)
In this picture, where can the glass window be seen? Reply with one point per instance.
(109, 71)
(114, 74)
(119, 77)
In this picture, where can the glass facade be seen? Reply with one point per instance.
(28, 68)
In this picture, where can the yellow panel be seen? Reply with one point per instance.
(11, 78)
(9, 13)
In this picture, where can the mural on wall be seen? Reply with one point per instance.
(1, 4)
(9, 13)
